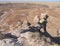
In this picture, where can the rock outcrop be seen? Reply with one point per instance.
(26, 36)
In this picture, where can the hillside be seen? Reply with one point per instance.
(11, 13)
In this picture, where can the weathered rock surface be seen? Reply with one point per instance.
(27, 37)
(8, 42)
(15, 32)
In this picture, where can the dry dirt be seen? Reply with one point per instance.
(19, 11)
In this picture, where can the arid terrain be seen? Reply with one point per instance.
(11, 13)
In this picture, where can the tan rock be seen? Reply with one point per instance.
(36, 19)
(43, 15)
(25, 25)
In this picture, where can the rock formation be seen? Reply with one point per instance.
(25, 24)
(43, 21)
(26, 36)
(19, 24)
